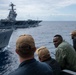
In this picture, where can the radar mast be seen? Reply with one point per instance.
(12, 14)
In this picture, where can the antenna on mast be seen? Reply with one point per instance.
(12, 6)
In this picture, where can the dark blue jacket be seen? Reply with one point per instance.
(54, 65)
(32, 67)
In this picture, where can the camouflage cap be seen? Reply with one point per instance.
(43, 52)
(25, 40)
(73, 33)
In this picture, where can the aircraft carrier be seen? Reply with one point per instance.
(11, 22)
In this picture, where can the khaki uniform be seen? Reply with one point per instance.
(66, 56)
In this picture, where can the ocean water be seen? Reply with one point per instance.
(43, 35)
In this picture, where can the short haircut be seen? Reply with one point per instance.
(43, 53)
(59, 36)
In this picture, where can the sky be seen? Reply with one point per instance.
(46, 10)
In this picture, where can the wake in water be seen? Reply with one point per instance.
(5, 61)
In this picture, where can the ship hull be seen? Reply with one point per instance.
(5, 37)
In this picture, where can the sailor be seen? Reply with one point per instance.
(44, 56)
(73, 36)
(65, 53)
(25, 48)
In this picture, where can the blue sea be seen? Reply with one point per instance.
(43, 35)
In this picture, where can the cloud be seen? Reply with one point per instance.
(37, 8)
(73, 15)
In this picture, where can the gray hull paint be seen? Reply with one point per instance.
(5, 35)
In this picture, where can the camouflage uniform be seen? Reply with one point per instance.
(66, 56)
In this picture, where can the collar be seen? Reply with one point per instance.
(47, 59)
(27, 62)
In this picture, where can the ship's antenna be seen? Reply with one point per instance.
(12, 6)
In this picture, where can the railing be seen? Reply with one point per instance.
(68, 72)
